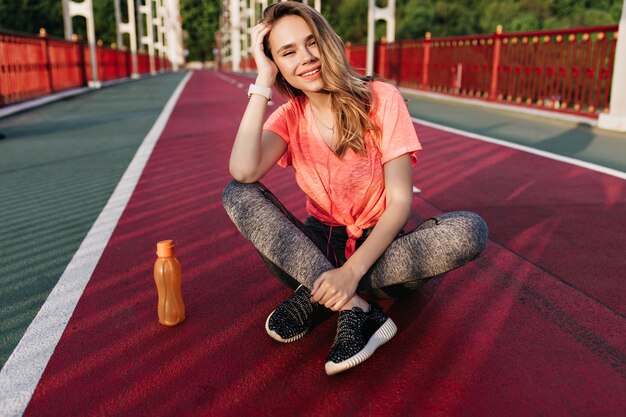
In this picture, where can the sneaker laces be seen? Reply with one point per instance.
(348, 326)
(298, 306)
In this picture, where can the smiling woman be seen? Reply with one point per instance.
(301, 60)
(352, 144)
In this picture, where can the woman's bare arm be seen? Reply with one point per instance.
(336, 287)
(255, 151)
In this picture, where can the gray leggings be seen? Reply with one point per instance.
(298, 253)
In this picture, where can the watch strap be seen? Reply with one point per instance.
(262, 91)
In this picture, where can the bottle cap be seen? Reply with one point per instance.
(165, 248)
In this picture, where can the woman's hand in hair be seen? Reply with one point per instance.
(335, 288)
(266, 68)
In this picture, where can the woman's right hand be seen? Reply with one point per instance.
(266, 68)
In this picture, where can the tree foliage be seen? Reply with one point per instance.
(454, 17)
(28, 16)
(200, 22)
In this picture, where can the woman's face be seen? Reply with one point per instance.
(294, 50)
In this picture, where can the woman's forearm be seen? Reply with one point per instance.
(399, 194)
(385, 231)
(245, 156)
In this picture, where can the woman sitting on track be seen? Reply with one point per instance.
(352, 144)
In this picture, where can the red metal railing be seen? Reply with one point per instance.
(357, 55)
(24, 70)
(566, 70)
(247, 64)
(33, 66)
(143, 63)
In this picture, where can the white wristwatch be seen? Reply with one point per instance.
(262, 91)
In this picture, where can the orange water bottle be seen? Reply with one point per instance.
(168, 278)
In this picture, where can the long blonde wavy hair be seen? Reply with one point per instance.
(351, 98)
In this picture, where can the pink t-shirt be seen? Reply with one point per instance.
(349, 191)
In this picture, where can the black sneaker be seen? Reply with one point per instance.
(292, 318)
(359, 334)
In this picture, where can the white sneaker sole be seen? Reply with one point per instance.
(382, 336)
(277, 337)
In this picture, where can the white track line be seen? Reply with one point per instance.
(567, 160)
(500, 105)
(14, 108)
(23, 369)
(40, 101)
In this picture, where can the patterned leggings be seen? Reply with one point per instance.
(297, 253)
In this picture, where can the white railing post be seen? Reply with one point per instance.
(129, 28)
(84, 9)
(144, 15)
(374, 13)
(174, 34)
(159, 26)
(235, 34)
(615, 119)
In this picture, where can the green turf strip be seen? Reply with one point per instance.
(571, 139)
(58, 166)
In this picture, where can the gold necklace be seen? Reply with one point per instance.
(332, 129)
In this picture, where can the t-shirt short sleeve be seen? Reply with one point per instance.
(279, 122)
(398, 135)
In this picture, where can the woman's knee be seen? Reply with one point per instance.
(467, 229)
(476, 230)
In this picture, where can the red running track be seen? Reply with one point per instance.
(534, 327)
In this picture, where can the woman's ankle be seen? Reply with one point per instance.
(356, 301)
